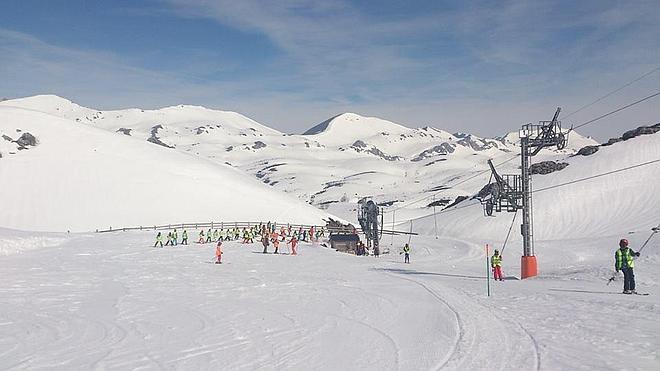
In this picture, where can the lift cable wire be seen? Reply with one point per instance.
(509, 232)
(596, 176)
(617, 110)
(458, 207)
(613, 92)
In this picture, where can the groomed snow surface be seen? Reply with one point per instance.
(112, 301)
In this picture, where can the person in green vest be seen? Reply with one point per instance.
(216, 236)
(623, 261)
(159, 240)
(175, 237)
(201, 236)
(169, 239)
(406, 252)
(184, 237)
(496, 264)
(209, 235)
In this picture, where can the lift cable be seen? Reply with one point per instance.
(613, 92)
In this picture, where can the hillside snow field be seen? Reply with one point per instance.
(81, 178)
(344, 158)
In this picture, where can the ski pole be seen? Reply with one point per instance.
(654, 231)
(612, 278)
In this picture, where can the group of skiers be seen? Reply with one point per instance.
(247, 234)
(172, 238)
(269, 233)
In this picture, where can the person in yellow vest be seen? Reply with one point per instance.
(623, 261)
(496, 264)
(159, 240)
(209, 236)
(184, 237)
(406, 251)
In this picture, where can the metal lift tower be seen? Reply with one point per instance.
(514, 192)
(368, 214)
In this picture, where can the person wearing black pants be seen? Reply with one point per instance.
(623, 261)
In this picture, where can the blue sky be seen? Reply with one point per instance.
(483, 67)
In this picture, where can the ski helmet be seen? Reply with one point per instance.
(623, 242)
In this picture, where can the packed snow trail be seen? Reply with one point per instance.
(114, 302)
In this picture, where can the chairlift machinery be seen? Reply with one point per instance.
(372, 227)
(513, 192)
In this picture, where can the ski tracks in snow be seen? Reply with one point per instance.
(482, 337)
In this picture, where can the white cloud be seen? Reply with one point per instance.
(484, 68)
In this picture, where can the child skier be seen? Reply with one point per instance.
(406, 251)
(175, 237)
(275, 239)
(294, 245)
(209, 235)
(218, 253)
(623, 261)
(264, 241)
(496, 264)
(184, 237)
(159, 240)
(169, 239)
(201, 236)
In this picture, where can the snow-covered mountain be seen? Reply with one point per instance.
(330, 166)
(344, 158)
(78, 177)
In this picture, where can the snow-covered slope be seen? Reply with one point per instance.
(341, 159)
(79, 177)
(610, 204)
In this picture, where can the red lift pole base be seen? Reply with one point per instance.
(528, 267)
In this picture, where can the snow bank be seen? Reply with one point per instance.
(16, 242)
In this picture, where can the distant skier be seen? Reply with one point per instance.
(159, 240)
(264, 241)
(216, 235)
(496, 264)
(276, 243)
(184, 237)
(623, 261)
(209, 236)
(201, 236)
(294, 245)
(175, 237)
(218, 253)
(169, 239)
(406, 252)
